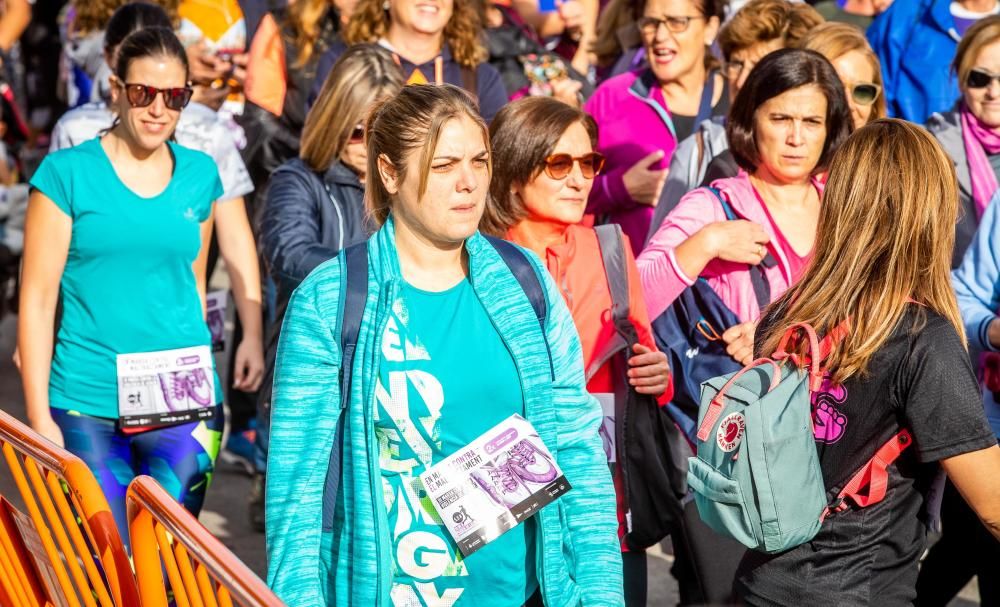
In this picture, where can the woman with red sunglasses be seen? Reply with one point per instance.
(544, 168)
(117, 232)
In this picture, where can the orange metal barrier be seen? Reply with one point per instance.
(201, 571)
(74, 526)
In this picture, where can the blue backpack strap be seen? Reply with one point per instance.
(758, 276)
(354, 297)
(524, 272)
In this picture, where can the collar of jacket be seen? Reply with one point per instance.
(947, 129)
(940, 15)
(339, 174)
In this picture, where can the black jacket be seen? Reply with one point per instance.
(307, 218)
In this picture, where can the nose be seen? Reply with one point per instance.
(993, 90)
(467, 178)
(795, 134)
(159, 106)
(575, 179)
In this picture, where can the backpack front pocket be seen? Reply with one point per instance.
(721, 503)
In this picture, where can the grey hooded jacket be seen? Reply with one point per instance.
(947, 129)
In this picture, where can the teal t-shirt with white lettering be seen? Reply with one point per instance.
(128, 285)
(445, 378)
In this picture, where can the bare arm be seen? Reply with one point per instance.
(14, 22)
(200, 265)
(237, 248)
(47, 235)
(976, 475)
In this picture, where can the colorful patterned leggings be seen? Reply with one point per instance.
(181, 458)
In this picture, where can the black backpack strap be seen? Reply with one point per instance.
(612, 245)
(355, 295)
(758, 275)
(526, 276)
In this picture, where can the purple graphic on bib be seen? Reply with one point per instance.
(507, 480)
(829, 423)
(180, 387)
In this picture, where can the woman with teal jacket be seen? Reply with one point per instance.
(450, 345)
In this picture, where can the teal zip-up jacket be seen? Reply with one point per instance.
(578, 558)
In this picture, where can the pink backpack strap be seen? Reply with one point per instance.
(869, 484)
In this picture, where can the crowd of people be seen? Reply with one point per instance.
(439, 216)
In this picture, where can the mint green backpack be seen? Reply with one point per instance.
(757, 476)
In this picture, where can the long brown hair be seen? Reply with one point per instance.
(463, 33)
(362, 75)
(305, 19)
(885, 235)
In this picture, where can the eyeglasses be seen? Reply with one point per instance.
(732, 69)
(143, 95)
(559, 166)
(865, 93)
(358, 134)
(675, 25)
(980, 79)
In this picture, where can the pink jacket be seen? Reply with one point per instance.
(661, 276)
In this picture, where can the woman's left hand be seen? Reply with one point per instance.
(649, 372)
(249, 369)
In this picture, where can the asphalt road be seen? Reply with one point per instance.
(225, 512)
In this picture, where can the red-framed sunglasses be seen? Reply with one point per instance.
(559, 166)
(142, 95)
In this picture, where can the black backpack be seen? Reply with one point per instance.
(651, 451)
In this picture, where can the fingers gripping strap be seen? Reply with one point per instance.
(758, 275)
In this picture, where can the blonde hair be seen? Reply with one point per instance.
(833, 40)
(463, 33)
(411, 121)
(885, 235)
(305, 19)
(362, 75)
(986, 31)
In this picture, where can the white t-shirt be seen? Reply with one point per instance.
(199, 128)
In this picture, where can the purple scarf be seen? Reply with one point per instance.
(980, 140)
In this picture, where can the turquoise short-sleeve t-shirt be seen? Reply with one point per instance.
(128, 284)
(445, 377)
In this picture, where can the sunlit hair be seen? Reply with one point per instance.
(834, 40)
(129, 19)
(617, 32)
(762, 21)
(986, 31)
(362, 75)
(305, 19)
(463, 33)
(779, 72)
(523, 135)
(885, 235)
(93, 15)
(405, 129)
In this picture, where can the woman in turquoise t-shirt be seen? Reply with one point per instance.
(450, 348)
(117, 231)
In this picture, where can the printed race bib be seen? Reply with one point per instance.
(165, 388)
(215, 317)
(495, 483)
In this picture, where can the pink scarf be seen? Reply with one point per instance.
(980, 140)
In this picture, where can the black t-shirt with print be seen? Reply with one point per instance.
(921, 379)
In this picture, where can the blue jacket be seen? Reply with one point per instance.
(977, 288)
(915, 41)
(578, 559)
(307, 219)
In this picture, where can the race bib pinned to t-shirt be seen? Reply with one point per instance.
(165, 388)
(495, 483)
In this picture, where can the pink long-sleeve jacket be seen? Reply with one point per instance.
(661, 276)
